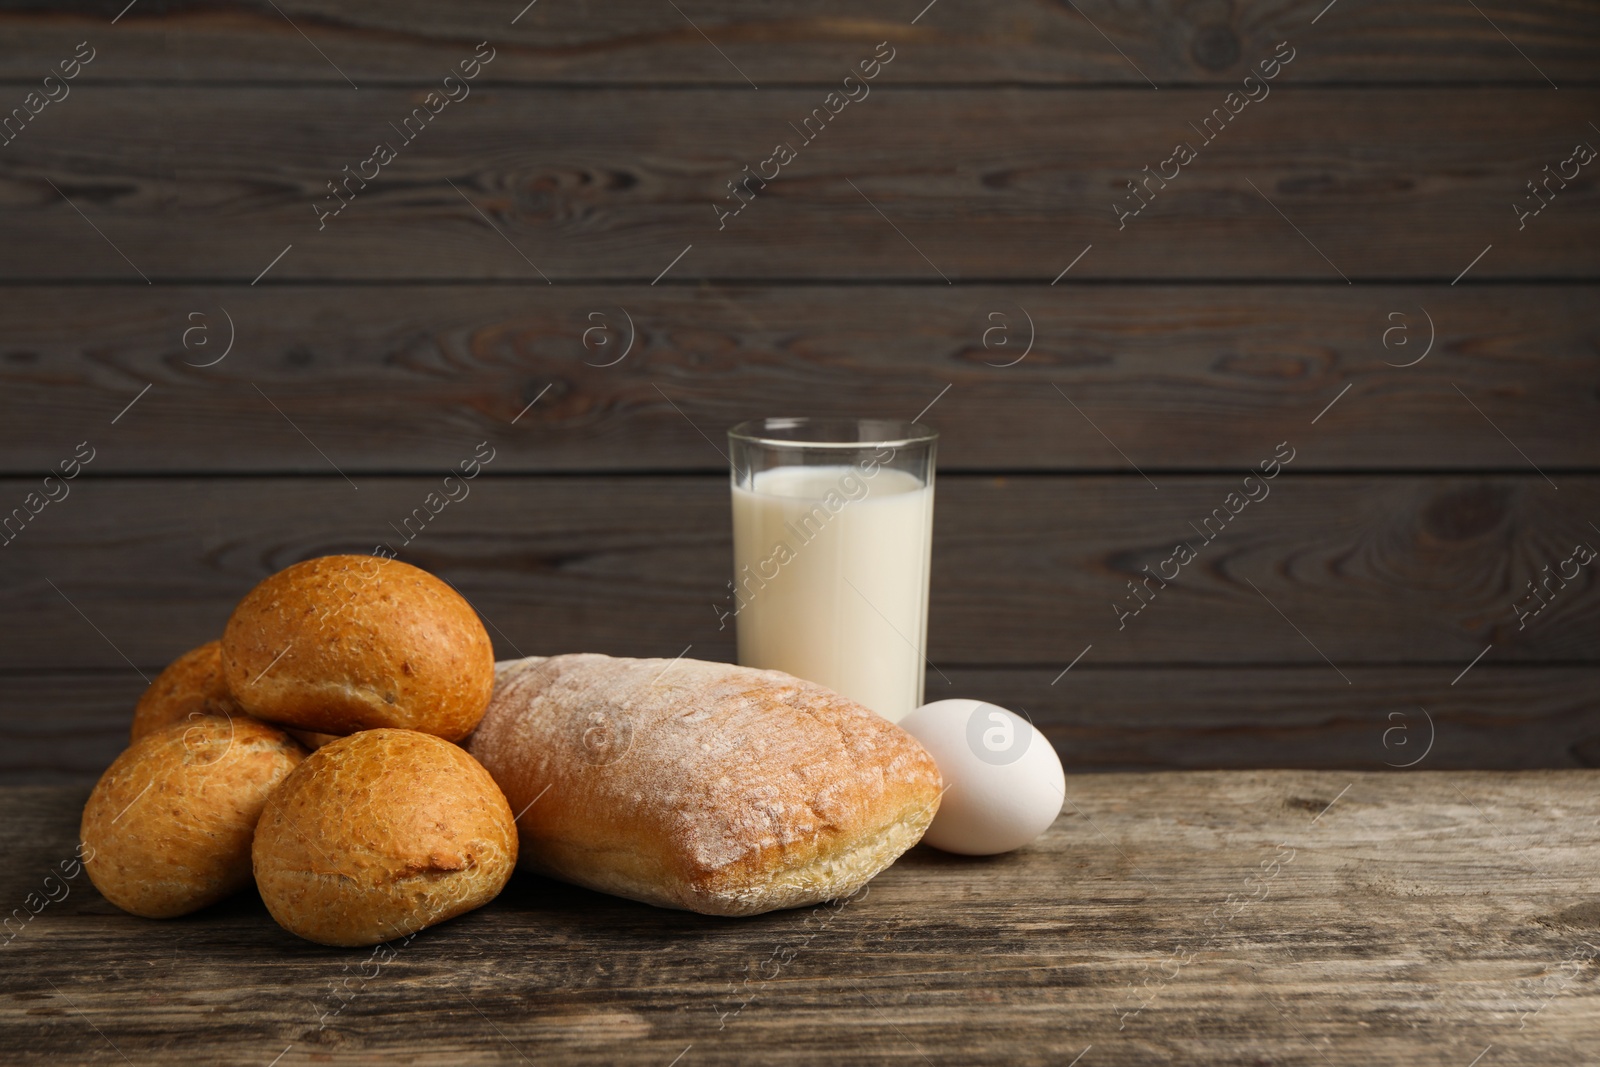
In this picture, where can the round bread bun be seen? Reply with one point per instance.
(167, 829)
(192, 685)
(379, 835)
(346, 643)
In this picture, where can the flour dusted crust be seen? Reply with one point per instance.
(703, 786)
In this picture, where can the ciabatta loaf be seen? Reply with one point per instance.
(702, 786)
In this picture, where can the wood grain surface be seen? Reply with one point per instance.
(1026, 570)
(638, 42)
(1180, 377)
(67, 726)
(930, 185)
(567, 211)
(1289, 917)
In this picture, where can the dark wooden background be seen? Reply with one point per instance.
(1329, 626)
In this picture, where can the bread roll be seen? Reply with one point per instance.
(346, 643)
(192, 685)
(379, 835)
(702, 786)
(167, 829)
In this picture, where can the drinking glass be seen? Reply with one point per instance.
(832, 536)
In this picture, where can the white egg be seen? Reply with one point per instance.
(1003, 781)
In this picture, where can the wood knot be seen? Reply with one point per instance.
(1466, 513)
(1584, 916)
(1215, 47)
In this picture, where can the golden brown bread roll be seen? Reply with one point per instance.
(379, 835)
(167, 829)
(192, 685)
(703, 786)
(346, 643)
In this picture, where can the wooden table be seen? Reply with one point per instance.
(1279, 917)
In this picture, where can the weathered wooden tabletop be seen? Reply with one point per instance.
(1281, 917)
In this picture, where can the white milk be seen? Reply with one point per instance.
(831, 580)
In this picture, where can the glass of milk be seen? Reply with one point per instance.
(832, 534)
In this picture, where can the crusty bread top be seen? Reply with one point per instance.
(379, 834)
(168, 825)
(192, 685)
(703, 785)
(345, 643)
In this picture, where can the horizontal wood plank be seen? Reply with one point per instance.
(912, 184)
(632, 41)
(1300, 918)
(67, 726)
(1026, 570)
(628, 377)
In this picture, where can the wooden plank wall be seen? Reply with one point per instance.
(1341, 271)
